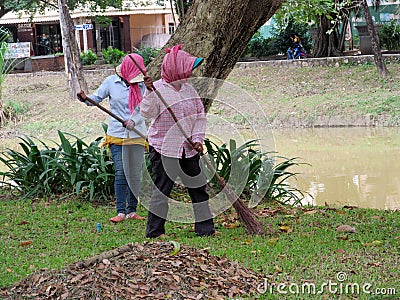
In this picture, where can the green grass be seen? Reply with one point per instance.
(305, 93)
(64, 231)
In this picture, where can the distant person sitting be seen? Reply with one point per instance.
(296, 49)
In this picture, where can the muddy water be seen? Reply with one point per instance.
(349, 166)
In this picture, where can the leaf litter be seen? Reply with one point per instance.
(141, 271)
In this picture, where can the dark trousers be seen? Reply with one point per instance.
(165, 173)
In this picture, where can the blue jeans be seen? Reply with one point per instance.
(290, 54)
(128, 161)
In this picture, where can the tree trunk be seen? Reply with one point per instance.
(3, 11)
(325, 44)
(218, 31)
(343, 35)
(376, 48)
(73, 65)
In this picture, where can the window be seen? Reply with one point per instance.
(171, 28)
(48, 39)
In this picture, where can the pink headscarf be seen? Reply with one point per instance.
(177, 64)
(129, 70)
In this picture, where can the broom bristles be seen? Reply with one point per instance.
(245, 213)
(247, 217)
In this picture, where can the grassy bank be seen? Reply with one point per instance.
(351, 95)
(335, 96)
(40, 233)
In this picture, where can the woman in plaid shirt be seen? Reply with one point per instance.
(171, 154)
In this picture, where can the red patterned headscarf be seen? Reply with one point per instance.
(129, 71)
(177, 64)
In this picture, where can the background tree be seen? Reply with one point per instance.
(331, 16)
(4, 68)
(327, 18)
(376, 48)
(219, 31)
(73, 65)
(182, 7)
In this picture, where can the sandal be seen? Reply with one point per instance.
(134, 216)
(119, 218)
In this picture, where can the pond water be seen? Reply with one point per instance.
(348, 166)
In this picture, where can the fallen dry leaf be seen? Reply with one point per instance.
(285, 228)
(25, 243)
(230, 225)
(350, 206)
(346, 228)
(373, 243)
(278, 269)
(340, 251)
(23, 223)
(273, 241)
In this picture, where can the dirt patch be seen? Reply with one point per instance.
(142, 271)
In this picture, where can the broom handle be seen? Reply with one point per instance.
(221, 180)
(113, 115)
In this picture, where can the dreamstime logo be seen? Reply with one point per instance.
(339, 287)
(235, 118)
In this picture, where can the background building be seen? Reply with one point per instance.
(125, 29)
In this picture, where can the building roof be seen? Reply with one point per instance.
(53, 15)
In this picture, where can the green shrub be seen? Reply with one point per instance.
(113, 56)
(88, 58)
(265, 178)
(389, 36)
(14, 110)
(147, 53)
(282, 36)
(260, 46)
(279, 42)
(75, 167)
(258, 176)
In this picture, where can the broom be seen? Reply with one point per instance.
(246, 215)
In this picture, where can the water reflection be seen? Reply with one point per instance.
(349, 166)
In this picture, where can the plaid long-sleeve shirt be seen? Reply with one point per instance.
(164, 135)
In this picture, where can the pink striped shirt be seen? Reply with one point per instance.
(164, 135)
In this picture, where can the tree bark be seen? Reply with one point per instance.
(325, 44)
(73, 64)
(376, 48)
(343, 35)
(218, 31)
(3, 11)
